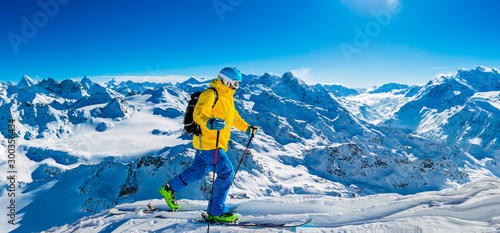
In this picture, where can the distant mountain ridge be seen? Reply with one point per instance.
(390, 87)
(457, 110)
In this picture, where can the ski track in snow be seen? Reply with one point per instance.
(472, 208)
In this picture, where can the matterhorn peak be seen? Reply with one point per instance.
(86, 82)
(26, 82)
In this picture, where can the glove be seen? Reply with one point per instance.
(252, 130)
(216, 124)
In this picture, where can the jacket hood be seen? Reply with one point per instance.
(221, 87)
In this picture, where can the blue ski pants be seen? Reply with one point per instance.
(203, 162)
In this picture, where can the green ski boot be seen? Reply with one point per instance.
(227, 217)
(169, 194)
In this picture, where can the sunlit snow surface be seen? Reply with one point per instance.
(472, 208)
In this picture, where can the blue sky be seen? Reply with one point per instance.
(356, 43)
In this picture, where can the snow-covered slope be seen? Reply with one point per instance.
(472, 208)
(91, 147)
(459, 110)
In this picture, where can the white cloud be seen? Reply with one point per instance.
(303, 73)
(445, 74)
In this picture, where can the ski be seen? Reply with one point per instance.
(116, 211)
(273, 224)
(150, 210)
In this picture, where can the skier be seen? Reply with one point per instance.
(212, 118)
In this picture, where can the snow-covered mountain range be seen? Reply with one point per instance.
(84, 147)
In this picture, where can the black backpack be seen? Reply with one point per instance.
(189, 125)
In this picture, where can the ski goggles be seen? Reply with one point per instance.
(235, 83)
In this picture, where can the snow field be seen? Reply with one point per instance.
(471, 208)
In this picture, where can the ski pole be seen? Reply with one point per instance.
(213, 179)
(236, 172)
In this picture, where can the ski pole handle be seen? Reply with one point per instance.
(254, 130)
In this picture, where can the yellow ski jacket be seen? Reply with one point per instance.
(224, 109)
